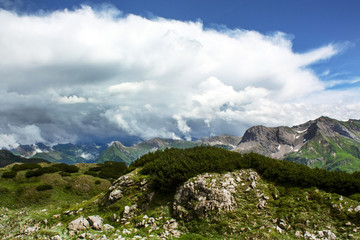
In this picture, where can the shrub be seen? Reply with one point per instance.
(64, 174)
(171, 167)
(94, 174)
(44, 187)
(41, 171)
(97, 182)
(112, 170)
(25, 166)
(9, 174)
(66, 168)
(95, 169)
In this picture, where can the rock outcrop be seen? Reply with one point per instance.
(210, 193)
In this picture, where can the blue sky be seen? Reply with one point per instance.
(75, 71)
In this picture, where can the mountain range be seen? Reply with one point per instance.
(323, 143)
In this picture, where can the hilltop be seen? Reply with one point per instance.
(196, 193)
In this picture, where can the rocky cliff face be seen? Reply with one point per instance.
(323, 142)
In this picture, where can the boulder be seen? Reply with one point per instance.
(212, 193)
(115, 195)
(96, 222)
(79, 224)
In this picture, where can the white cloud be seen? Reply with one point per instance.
(72, 100)
(20, 135)
(95, 74)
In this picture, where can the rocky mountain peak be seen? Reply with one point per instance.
(319, 139)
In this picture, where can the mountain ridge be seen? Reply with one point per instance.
(322, 142)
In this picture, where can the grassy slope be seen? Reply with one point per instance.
(301, 208)
(338, 153)
(21, 191)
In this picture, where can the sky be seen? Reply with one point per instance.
(97, 71)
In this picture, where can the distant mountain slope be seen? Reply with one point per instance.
(119, 152)
(225, 141)
(324, 142)
(7, 158)
(65, 153)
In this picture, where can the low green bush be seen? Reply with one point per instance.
(171, 167)
(44, 187)
(25, 166)
(108, 170)
(62, 167)
(9, 174)
(94, 174)
(41, 171)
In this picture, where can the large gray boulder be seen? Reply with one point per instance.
(79, 224)
(96, 222)
(210, 193)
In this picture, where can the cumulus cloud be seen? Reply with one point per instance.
(87, 75)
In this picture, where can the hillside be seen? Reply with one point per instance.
(197, 193)
(61, 153)
(7, 157)
(325, 143)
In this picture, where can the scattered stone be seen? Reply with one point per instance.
(125, 231)
(108, 227)
(262, 204)
(357, 209)
(330, 235)
(83, 235)
(69, 212)
(56, 237)
(279, 229)
(30, 230)
(310, 236)
(103, 237)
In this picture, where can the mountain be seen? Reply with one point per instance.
(224, 141)
(323, 142)
(64, 153)
(7, 158)
(199, 193)
(118, 152)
